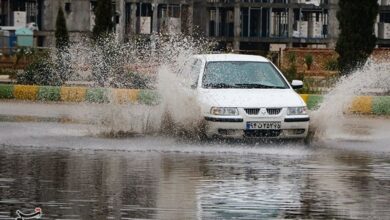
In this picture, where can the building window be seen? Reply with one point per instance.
(68, 8)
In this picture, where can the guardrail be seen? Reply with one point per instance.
(378, 105)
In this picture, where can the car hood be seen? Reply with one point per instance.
(250, 98)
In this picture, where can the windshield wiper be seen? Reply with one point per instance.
(219, 85)
(262, 86)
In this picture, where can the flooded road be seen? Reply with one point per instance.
(71, 174)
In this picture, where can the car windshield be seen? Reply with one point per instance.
(242, 74)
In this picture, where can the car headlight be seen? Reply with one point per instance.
(297, 111)
(223, 111)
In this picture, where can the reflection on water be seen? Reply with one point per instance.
(96, 184)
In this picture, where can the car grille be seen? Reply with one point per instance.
(273, 111)
(270, 111)
(262, 133)
(252, 111)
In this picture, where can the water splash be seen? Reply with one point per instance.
(161, 62)
(332, 120)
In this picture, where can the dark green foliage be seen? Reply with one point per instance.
(308, 87)
(148, 97)
(356, 39)
(103, 21)
(381, 105)
(291, 72)
(6, 91)
(96, 95)
(331, 65)
(309, 60)
(108, 63)
(61, 33)
(40, 72)
(49, 93)
(292, 57)
(133, 80)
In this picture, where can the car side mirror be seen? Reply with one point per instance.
(297, 84)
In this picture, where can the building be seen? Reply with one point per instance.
(270, 24)
(243, 25)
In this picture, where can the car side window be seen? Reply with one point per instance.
(195, 71)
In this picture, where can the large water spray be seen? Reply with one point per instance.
(333, 119)
(161, 63)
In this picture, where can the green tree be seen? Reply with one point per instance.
(103, 20)
(61, 33)
(356, 40)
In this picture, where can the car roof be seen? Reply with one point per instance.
(231, 57)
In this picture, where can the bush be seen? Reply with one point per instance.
(6, 91)
(96, 95)
(291, 72)
(292, 57)
(40, 72)
(308, 60)
(131, 81)
(308, 88)
(331, 65)
(49, 93)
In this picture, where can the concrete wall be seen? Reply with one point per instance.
(77, 19)
(333, 27)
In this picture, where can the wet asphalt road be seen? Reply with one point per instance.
(71, 173)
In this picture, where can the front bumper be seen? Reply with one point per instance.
(235, 127)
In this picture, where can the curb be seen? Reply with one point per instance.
(377, 105)
(77, 94)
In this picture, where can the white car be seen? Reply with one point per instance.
(247, 96)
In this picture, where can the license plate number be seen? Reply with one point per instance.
(263, 125)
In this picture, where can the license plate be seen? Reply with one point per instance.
(258, 125)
